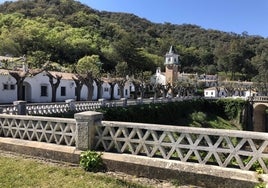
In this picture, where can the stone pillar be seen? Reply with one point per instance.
(124, 101)
(139, 100)
(21, 106)
(102, 101)
(85, 128)
(152, 99)
(71, 104)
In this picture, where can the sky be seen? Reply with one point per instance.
(236, 16)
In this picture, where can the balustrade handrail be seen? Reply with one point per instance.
(63, 107)
(225, 148)
(61, 131)
(260, 98)
(78, 106)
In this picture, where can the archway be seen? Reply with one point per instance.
(260, 118)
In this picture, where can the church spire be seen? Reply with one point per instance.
(171, 64)
(171, 57)
(171, 50)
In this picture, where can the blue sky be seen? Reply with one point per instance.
(224, 15)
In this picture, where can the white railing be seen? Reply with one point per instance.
(47, 108)
(61, 131)
(224, 148)
(79, 106)
(260, 99)
(8, 109)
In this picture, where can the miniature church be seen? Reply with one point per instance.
(171, 69)
(171, 64)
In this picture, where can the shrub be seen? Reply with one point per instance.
(91, 161)
(199, 117)
(178, 113)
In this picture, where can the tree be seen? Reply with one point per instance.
(128, 51)
(121, 76)
(140, 81)
(87, 70)
(38, 58)
(112, 81)
(21, 73)
(262, 77)
(54, 86)
(79, 84)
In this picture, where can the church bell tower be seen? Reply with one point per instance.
(171, 64)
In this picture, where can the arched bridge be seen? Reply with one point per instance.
(260, 113)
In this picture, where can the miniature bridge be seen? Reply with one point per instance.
(260, 113)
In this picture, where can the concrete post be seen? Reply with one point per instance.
(102, 101)
(124, 101)
(71, 104)
(152, 99)
(139, 100)
(21, 106)
(85, 127)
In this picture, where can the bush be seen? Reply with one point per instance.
(177, 113)
(91, 161)
(199, 117)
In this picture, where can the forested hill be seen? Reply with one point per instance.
(63, 31)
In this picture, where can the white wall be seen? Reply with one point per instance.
(41, 79)
(33, 89)
(210, 93)
(7, 95)
(126, 91)
(106, 91)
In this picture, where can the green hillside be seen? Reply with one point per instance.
(64, 31)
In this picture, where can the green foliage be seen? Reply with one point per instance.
(202, 113)
(66, 31)
(231, 107)
(260, 185)
(89, 64)
(91, 161)
(199, 117)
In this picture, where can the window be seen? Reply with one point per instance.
(5, 86)
(43, 91)
(63, 91)
(211, 92)
(12, 87)
(206, 93)
(118, 92)
(8, 86)
(106, 89)
(126, 92)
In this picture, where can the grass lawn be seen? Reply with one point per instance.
(18, 171)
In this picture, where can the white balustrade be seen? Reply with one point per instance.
(225, 148)
(260, 98)
(60, 131)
